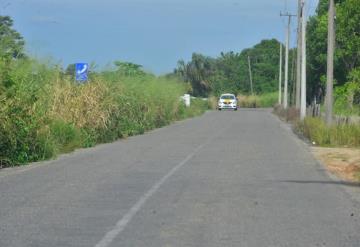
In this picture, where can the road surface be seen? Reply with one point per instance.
(223, 179)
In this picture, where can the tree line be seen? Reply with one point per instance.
(229, 72)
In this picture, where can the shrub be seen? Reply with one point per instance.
(347, 97)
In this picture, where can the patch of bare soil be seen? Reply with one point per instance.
(343, 162)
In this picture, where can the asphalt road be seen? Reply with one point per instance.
(223, 179)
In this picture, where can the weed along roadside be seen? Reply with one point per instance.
(43, 113)
(257, 101)
(336, 146)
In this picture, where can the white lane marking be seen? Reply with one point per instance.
(121, 224)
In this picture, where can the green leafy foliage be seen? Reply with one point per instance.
(347, 53)
(129, 69)
(11, 42)
(229, 72)
(347, 97)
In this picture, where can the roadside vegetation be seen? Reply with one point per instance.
(229, 73)
(258, 101)
(347, 56)
(346, 74)
(318, 133)
(343, 135)
(43, 112)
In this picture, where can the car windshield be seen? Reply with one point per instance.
(227, 97)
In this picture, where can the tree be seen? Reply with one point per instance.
(70, 70)
(11, 42)
(129, 69)
(198, 73)
(347, 53)
(348, 34)
(229, 71)
(11, 48)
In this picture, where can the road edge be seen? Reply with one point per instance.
(353, 193)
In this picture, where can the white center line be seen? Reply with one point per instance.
(124, 221)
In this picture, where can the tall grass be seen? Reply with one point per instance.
(258, 101)
(44, 113)
(317, 131)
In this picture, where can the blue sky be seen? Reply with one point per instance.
(154, 33)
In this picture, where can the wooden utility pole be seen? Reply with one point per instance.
(285, 103)
(303, 62)
(280, 74)
(298, 56)
(330, 64)
(250, 76)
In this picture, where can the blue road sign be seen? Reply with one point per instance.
(81, 71)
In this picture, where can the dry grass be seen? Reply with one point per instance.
(257, 101)
(81, 105)
(343, 162)
(289, 115)
(213, 102)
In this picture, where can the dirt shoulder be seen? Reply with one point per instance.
(343, 162)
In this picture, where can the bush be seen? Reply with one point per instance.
(44, 113)
(347, 97)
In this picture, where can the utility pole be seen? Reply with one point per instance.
(293, 78)
(285, 103)
(298, 57)
(330, 64)
(280, 74)
(303, 62)
(250, 76)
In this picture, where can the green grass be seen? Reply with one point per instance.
(317, 131)
(345, 110)
(341, 109)
(44, 113)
